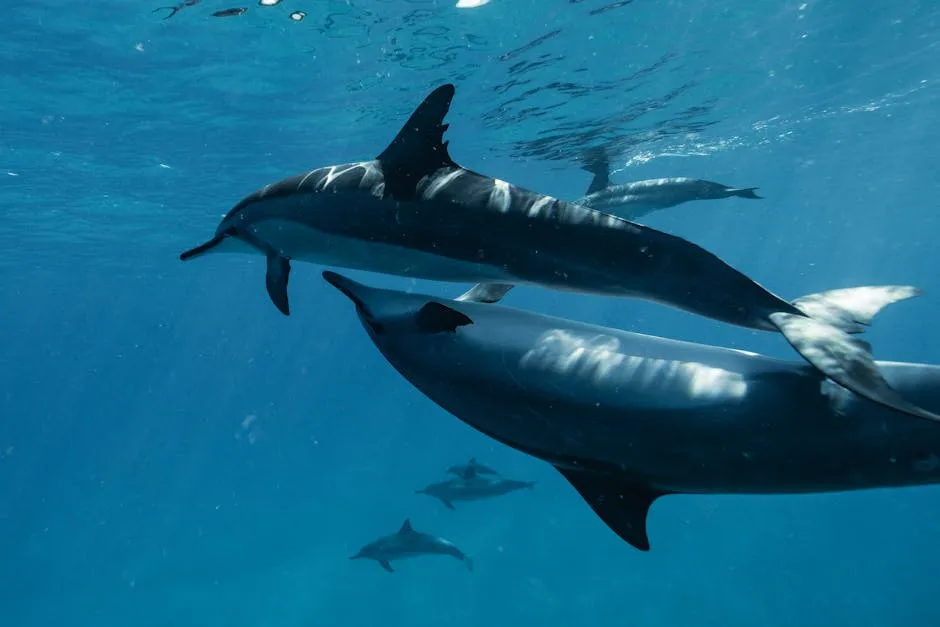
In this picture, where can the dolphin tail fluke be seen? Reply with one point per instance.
(275, 279)
(486, 293)
(845, 359)
(745, 192)
(529, 485)
(202, 249)
(468, 563)
(622, 505)
(852, 309)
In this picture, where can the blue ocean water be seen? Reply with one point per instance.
(174, 452)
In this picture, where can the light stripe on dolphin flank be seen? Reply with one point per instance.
(439, 182)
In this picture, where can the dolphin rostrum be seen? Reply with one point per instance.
(472, 466)
(412, 211)
(635, 200)
(472, 487)
(628, 418)
(407, 543)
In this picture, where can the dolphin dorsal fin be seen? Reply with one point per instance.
(434, 317)
(597, 163)
(419, 148)
(406, 527)
(470, 472)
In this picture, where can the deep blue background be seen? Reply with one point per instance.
(173, 451)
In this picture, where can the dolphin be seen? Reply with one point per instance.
(627, 418)
(473, 466)
(407, 543)
(472, 487)
(635, 200)
(412, 211)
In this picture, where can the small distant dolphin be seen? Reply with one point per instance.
(407, 543)
(628, 418)
(472, 487)
(474, 467)
(414, 212)
(632, 201)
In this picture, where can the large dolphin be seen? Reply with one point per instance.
(628, 418)
(407, 543)
(637, 199)
(413, 211)
(472, 487)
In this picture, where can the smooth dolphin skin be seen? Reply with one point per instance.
(628, 418)
(414, 212)
(407, 543)
(472, 487)
(471, 468)
(635, 200)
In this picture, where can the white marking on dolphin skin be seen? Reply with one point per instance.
(600, 359)
(440, 182)
(500, 196)
(304, 179)
(540, 205)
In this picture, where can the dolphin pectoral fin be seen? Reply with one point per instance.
(275, 279)
(621, 505)
(486, 293)
(845, 359)
(447, 503)
(437, 318)
(851, 309)
(384, 564)
(419, 148)
(202, 248)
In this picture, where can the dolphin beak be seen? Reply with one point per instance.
(350, 288)
(203, 248)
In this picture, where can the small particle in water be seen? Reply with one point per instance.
(176, 9)
(163, 165)
(229, 12)
(269, 3)
(471, 4)
(298, 15)
(139, 47)
(12, 174)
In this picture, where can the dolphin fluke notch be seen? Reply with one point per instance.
(623, 507)
(419, 148)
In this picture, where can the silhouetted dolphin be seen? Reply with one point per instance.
(627, 418)
(472, 487)
(473, 467)
(407, 543)
(414, 212)
(632, 201)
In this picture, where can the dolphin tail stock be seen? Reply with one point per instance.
(823, 336)
(744, 192)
